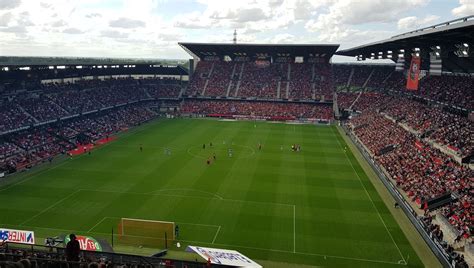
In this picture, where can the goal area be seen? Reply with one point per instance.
(147, 233)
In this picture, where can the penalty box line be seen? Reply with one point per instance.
(215, 197)
(217, 227)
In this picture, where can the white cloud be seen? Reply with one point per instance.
(126, 23)
(72, 31)
(5, 19)
(339, 23)
(9, 4)
(125, 28)
(412, 22)
(466, 8)
(283, 39)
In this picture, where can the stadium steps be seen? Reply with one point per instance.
(229, 87)
(240, 79)
(205, 87)
(28, 114)
(288, 75)
(237, 88)
(350, 77)
(388, 76)
(353, 103)
(287, 90)
(147, 93)
(181, 92)
(368, 78)
(279, 90)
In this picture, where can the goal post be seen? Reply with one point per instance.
(143, 232)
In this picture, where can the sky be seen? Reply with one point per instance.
(152, 28)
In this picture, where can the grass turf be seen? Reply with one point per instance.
(315, 207)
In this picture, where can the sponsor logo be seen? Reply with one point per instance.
(86, 243)
(17, 236)
(224, 257)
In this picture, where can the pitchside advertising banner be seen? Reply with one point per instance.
(17, 236)
(414, 73)
(86, 243)
(223, 256)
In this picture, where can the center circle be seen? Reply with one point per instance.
(221, 151)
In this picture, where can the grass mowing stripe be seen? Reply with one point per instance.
(368, 195)
(243, 203)
(50, 207)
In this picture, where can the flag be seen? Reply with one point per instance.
(414, 73)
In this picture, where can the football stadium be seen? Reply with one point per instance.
(243, 155)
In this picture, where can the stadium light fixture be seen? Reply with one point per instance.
(51, 67)
(438, 47)
(402, 50)
(62, 67)
(437, 54)
(465, 53)
(79, 67)
(417, 54)
(465, 45)
(6, 69)
(417, 49)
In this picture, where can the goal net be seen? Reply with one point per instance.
(149, 233)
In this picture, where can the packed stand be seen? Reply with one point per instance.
(258, 81)
(13, 117)
(342, 73)
(420, 170)
(200, 75)
(301, 76)
(219, 79)
(30, 147)
(270, 109)
(360, 76)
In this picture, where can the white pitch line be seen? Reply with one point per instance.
(50, 207)
(215, 236)
(294, 229)
(372, 201)
(187, 189)
(299, 253)
(97, 224)
(189, 196)
(236, 246)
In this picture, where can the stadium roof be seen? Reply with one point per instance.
(446, 34)
(202, 50)
(65, 71)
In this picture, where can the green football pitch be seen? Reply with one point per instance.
(314, 207)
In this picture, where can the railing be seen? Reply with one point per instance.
(47, 254)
